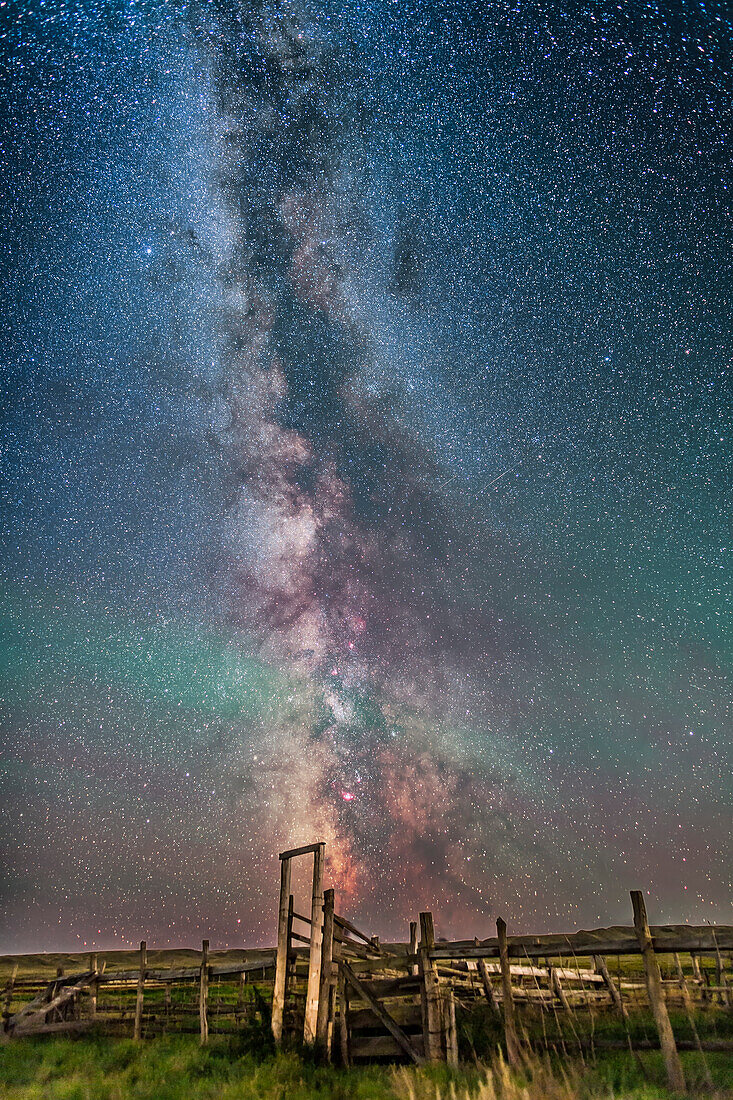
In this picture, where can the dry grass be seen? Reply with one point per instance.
(538, 1078)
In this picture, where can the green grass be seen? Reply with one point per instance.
(176, 1067)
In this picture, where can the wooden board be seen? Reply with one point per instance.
(381, 1046)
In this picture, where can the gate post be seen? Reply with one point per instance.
(314, 962)
(430, 993)
(281, 962)
(325, 993)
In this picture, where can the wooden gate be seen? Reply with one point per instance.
(331, 978)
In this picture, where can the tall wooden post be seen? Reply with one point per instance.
(281, 962)
(9, 995)
(720, 977)
(414, 969)
(314, 961)
(343, 993)
(93, 985)
(204, 992)
(556, 987)
(137, 1032)
(510, 1026)
(673, 1065)
(697, 973)
(325, 992)
(451, 1031)
(430, 992)
(240, 997)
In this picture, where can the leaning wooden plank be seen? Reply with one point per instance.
(556, 987)
(25, 1020)
(360, 950)
(43, 1002)
(342, 922)
(41, 998)
(483, 970)
(382, 1015)
(675, 1075)
(602, 968)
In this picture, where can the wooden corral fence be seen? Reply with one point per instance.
(342, 990)
(328, 984)
(146, 1000)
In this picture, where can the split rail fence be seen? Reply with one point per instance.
(332, 986)
(219, 999)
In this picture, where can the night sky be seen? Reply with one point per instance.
(366, 464)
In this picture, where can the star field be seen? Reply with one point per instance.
(366, 464)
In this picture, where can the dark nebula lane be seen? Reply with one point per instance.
(365, 466)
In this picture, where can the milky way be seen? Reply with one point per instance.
(366, 464)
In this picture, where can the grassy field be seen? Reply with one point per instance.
(176, 1067)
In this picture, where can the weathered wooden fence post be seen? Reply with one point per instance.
(673, 1065)
(137, 1032)
(451, 1031)
(314, 961)
(93, 985)
(204, 992)
(414, 969)
(487, 986)
(240, 997)
(720, 976)
(556, 987)
(510, 1026)
(343, 992)
(9, 996)
(430, 992)
(325, 992)
(281, 962)
(697, 973)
